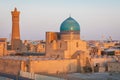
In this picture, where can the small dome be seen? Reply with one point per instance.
(70, 25)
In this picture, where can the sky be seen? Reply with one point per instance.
(97, 18)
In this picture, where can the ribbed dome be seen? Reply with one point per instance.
(70, 25)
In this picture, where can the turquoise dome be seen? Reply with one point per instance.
(70, 25)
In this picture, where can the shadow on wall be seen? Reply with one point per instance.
(72, 67)
(77, 54)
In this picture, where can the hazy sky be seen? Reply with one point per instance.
(96, 17)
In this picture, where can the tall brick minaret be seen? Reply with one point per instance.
(15, 38)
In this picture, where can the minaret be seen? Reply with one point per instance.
(15, 39)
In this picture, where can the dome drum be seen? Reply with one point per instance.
(69, 32)
(69, 36)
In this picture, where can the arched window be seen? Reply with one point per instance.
(60, 45)
(77, 44)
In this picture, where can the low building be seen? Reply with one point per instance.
(114, 66)
(100, 62)
(3, 46)
(37, 65)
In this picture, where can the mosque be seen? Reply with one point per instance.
(67, 42)
(64, 51)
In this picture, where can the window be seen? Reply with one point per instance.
(43, 46)
(77, 44)
(60, 45)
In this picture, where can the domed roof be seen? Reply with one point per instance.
(70, 25)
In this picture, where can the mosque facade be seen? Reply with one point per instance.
(67, 42)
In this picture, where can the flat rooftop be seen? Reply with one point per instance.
(26, 58)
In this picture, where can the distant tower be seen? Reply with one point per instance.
(15, 38)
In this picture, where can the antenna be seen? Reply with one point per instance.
(70, 15)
